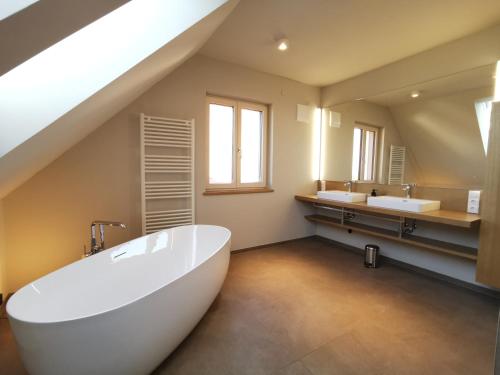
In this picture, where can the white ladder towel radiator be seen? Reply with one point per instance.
(167, 173)
(397, 165)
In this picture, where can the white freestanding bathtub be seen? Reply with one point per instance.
(123, 310)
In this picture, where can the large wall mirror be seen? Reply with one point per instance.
(438, 131)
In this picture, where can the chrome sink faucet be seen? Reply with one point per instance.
(408, 188)
(94, 246)
(349, 185)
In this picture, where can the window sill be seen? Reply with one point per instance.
(237, 191)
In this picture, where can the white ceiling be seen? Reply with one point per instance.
(333, 40)
(452, 84)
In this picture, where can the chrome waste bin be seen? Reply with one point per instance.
(371, 256)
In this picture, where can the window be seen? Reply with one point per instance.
(483, 113)
(67, 73)
(364, 153)
(237, 134)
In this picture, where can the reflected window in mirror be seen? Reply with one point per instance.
(364, 153)
(483, 113)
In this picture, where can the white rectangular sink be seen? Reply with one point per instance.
(342, 196)
(404, 204)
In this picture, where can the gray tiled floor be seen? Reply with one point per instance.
(10, 363)
(307, 308)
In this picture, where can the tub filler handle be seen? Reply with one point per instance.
(94, 246)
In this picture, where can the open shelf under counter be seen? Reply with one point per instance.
(427, 243)
(447, 217)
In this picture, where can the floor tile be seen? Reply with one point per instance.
(309, 308)
(296, 368)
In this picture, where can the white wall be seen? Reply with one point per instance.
(48, 217)
(454, 267)
(254, 219)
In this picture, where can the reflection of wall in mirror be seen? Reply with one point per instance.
(444, 137)
(338, 142)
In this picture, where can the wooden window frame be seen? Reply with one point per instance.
(236, 186)
(362, 159)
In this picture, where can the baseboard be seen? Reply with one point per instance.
(3, 312)
(340, 244)
(271, 244)
(421, 271)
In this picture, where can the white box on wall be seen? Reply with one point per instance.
(331, 119)
(473, 202)
(304, 113)
(335, 119)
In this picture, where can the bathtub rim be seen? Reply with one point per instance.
(132, 301)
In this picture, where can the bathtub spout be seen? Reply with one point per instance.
(94, 247)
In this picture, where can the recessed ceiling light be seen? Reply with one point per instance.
(415, 94)
(283, 44)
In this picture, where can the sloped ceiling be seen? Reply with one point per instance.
(333, 40)
(44, 23)
(38, 151)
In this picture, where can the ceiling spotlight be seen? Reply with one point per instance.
(283, 44)
(415, 94)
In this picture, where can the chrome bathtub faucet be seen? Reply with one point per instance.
(408, 188)
(94, 246)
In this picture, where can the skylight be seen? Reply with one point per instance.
(39, 91)
(9, 7)
(483, 114)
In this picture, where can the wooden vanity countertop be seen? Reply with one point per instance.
(456, 218)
